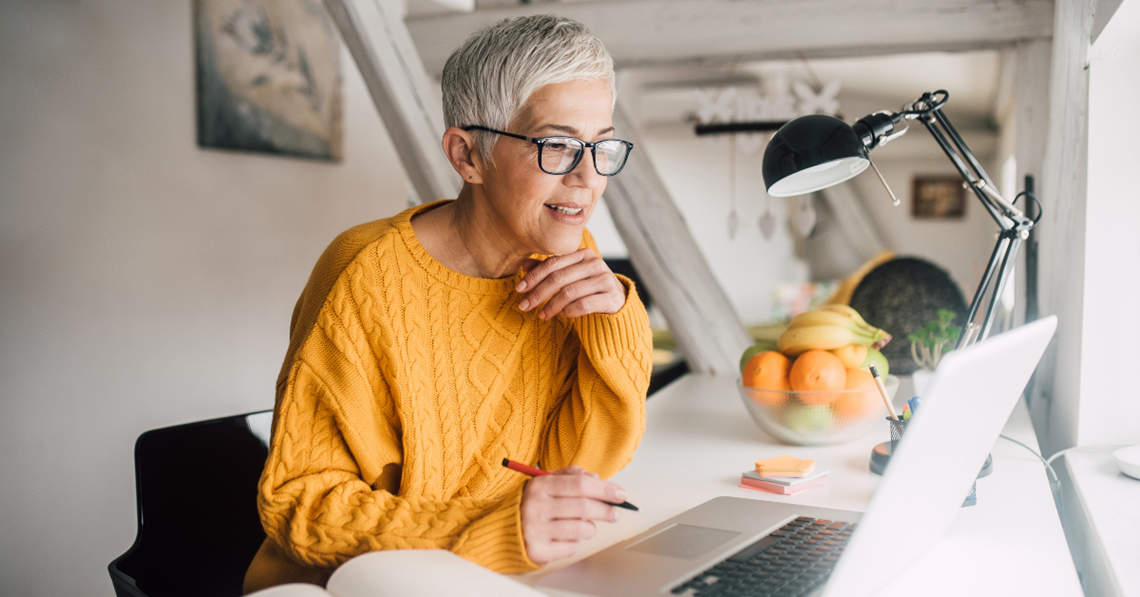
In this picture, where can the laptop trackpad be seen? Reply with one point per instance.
(683, 541)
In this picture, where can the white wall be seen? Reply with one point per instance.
(144, 282)
(696, 171)
(1109, 398)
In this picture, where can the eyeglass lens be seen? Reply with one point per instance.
(560, 155)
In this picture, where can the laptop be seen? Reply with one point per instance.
(732, 547)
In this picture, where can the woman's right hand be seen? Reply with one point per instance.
(559, 510)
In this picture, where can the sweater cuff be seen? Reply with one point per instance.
(495, 541)
(606, 335)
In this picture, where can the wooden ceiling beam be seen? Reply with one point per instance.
(665, 32)
(401, 90)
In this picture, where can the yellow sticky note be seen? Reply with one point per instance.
(784, 466)
(792, 474)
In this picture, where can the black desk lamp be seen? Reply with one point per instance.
(814, 152)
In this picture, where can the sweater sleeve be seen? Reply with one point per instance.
(330, 489)
(600, 416)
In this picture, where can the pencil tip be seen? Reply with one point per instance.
(506, 461)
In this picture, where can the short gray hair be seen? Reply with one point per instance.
(489, 78)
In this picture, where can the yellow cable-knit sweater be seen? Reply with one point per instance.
(406, 384)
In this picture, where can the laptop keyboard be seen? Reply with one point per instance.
(793, 560)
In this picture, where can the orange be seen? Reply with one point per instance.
(852, 355)
(819, 373)
(767, 370)
(857, 404)
(860, 379)
(769, 398)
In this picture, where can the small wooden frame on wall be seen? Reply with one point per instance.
(937, 197)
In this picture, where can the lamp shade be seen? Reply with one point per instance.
(812, 153)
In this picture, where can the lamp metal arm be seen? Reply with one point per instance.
(1015, 226)
(928, 110)
(973, 181)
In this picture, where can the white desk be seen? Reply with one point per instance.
(699, 438)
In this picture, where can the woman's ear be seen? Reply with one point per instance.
(459, 145)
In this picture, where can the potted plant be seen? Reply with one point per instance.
(928, 344)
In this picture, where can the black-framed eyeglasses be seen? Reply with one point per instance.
(560, 155)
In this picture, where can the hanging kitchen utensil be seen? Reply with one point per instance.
(804, 216)
(767, 220)
(733, 218)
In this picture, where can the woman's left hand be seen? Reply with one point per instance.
(576, 284)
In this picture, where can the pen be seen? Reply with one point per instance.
(537, 472)
(883, 392)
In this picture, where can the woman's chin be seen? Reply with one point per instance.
(562, 244)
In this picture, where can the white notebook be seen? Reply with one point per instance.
(408, 573)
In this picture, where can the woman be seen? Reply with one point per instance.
(428, 347)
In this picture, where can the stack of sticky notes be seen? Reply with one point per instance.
(784, 474)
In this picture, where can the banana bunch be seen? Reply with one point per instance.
(829, 328)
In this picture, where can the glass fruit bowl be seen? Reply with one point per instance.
(817, 418)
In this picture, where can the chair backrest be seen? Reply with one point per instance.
(625, 267)
(198, 527)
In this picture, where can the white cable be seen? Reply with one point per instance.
(1057, 454)
(1048, 464)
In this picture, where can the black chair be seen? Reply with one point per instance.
(625, 267)
(196, 490)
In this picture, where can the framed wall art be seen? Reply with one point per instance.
(938, 196)
(268, 77)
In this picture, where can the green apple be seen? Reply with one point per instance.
(877, 359)
(754, 350)
(808, 419)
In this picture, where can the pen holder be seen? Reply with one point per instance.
(881, 456)
(898, 428)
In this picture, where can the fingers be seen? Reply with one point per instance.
(566, 531)
(580, 486)
(583, 296)
(530, 264)
(537, 270)
(547, 552)
(572, 530)
(583, 509)
(576, 284)
(559, 510)
(547, 277)
(574, 469)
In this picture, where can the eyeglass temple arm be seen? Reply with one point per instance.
(471, 127)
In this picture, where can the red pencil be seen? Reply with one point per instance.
(537, 472)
